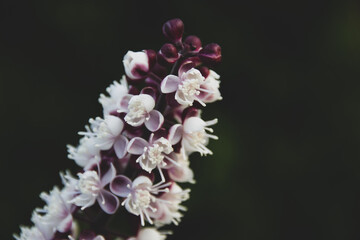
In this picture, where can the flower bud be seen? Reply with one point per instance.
(211, 53)
(151, 56)
(136, 64)
(173, 30)
(168, 54)
(192, 43)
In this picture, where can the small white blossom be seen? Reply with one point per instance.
(107, 133)
(118, 97)
(195, 136)
(141, 111)
(139, 108)
(56, 214)
(136, 64)
(168, 205)
(90, 188)
(30, 234)
(139, 195)
(152, 153)
(210, 88)
(86, 154)
(180, 172)
(187, 86)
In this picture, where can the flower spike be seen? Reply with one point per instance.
(133, 158)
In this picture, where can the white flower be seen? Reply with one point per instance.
(90, 188)
(195, 138)
(136, 64)
(118, 97)
(56, 214)
(187, 86)
(30, 234)
(148, 234)
(86, 154)
(180, 172)
(168, 205)
(210, 88)
(141, 110)
(152, 154)
(139, 195)
(107, 133)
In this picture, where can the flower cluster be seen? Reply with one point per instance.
(135, 156)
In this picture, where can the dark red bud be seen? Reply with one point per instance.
(204, 71)
(211, 53)
(152, 57)
(168, 54)
(173, 30)
(192, 43)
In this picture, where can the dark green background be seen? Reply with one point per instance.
(287, 164)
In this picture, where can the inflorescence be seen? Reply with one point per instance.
(134, 156)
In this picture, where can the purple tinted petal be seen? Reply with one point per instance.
(170, 84)
(66, 224)
(108, 202)
(124, 103)
(155, 121)
(136, 146)
(175, 133)
(120, 146)
(149, 91)
(142, 180)
(120, 186)
(108, 176)
(186, 66)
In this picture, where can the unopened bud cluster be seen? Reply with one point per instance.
(134, 156)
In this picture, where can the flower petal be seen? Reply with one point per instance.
(66, 224)
(115, 124)
(156, 119)
(194, 124)
(175, 133)
(170, 84)
(119, 186)
(186, 66)
(120, 146)
(136, 146)
(141, 180)
(108, 202)
(108, 176)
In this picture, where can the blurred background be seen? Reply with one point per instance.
(287, 164)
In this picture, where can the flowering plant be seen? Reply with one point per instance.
(133, 157)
